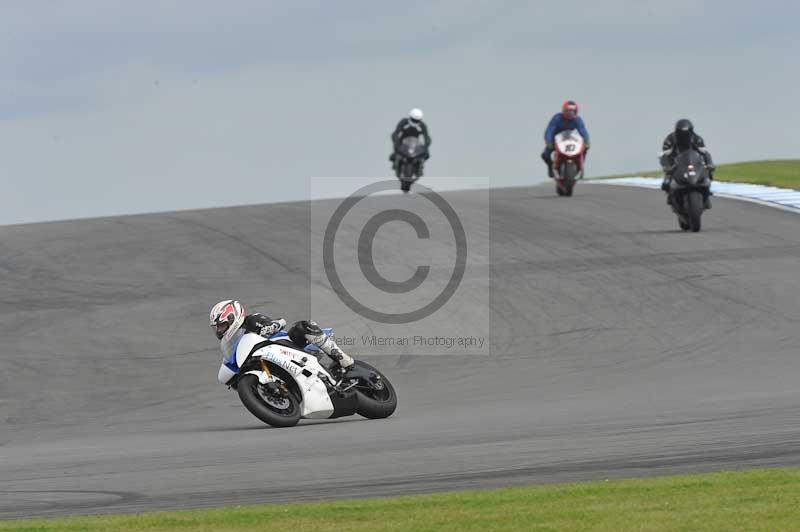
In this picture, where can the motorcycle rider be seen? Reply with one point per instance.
(680, 139)
(230, 322)
(410, 126)
(567, 119)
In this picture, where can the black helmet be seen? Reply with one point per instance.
(684, 131)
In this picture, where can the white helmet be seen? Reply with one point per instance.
(415, 114)
(226, 318)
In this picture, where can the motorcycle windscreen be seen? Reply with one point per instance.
(569, 142)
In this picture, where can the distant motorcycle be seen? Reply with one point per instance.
(280, 383)
(567, 157)
(410, 159)
(689, 187)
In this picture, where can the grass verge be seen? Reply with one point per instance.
(780, 173)
(751, 500)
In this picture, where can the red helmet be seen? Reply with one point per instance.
(569, 110)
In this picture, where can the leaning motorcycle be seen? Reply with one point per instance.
(409, 160)
(567, 160)
(281, 383)
(689, 187)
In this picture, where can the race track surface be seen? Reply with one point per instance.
(620, 347)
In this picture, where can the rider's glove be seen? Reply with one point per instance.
(272, 328)
(586, 146)
(549, 145)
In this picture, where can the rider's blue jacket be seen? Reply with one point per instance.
(558, 124)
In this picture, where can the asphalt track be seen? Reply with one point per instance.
(620, 347)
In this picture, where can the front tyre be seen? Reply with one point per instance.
(275, 406)
(569, 170)
(694, 206)
(407, 170)
(376, 396)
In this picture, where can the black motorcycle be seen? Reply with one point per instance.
(409, 160)
(689, 189)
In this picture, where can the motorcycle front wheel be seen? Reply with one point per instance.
(569, 170)
(277, 409)
(694, 206)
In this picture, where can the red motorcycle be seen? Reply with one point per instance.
(568, 160)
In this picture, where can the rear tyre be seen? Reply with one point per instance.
(694, 206)
(376, 399)
(275, 410)
(405, 186)
(684, 224)
(559, 190)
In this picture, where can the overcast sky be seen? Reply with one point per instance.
(111, 107)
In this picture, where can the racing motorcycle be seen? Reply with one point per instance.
(410, 158)
(281, 383)
(689, 188)
(567, 158)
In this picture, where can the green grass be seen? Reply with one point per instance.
(782, 173)
(767, 500)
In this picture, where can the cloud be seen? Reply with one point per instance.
(130, 107)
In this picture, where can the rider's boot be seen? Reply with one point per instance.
(707, 202)
(547, 160)
(665, 187)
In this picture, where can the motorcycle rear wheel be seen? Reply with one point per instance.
(375, 402)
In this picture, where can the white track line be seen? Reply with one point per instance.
(780, 198)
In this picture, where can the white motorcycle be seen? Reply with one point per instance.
(568, 157)
(280, 383)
